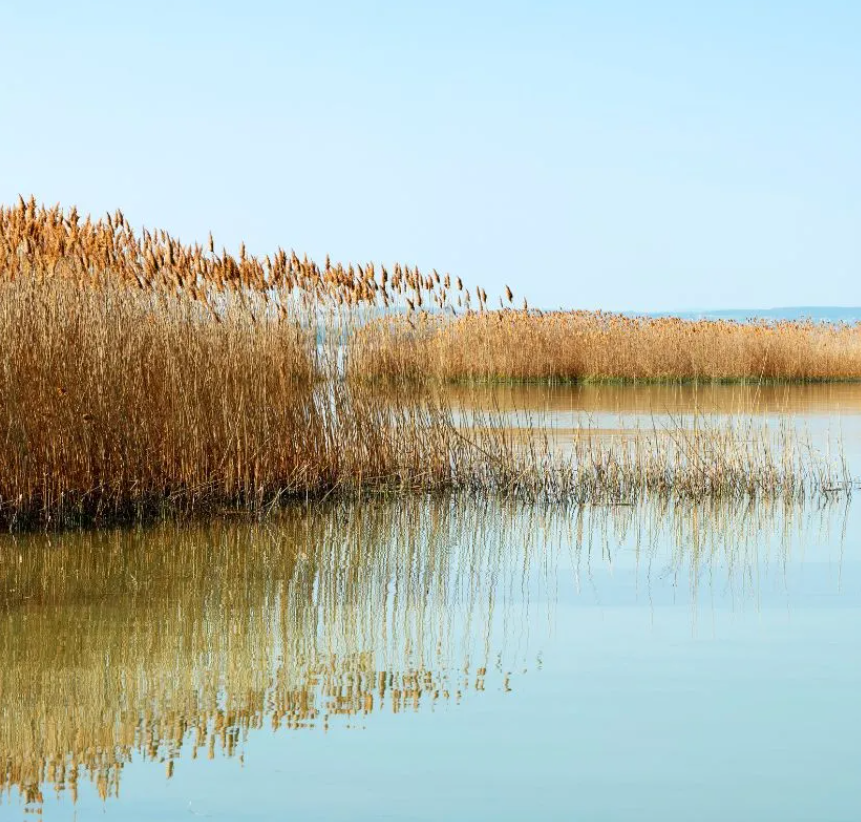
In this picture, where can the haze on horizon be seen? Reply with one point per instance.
(618, 155)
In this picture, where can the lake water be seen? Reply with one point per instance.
(448, 658)
(826, 415)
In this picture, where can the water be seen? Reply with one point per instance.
(840, 400)
(827, 417)
(445, 658)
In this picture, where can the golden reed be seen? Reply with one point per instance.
(141, 378)
(597, 346)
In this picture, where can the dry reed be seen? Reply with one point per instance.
(596, 346)
(117, 404)
(143, 378)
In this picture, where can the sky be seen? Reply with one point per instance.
(619, 155)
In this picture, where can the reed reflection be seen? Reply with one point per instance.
(161, 640)
(803, 399)
(174, 642)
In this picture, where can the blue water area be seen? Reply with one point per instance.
(441, 659)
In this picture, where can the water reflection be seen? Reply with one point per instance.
(827, 415)
(150, 641)
(809, 399)
(178, 642)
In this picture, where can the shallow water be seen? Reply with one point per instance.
(826, 415)
(431, 659)
(835, 399)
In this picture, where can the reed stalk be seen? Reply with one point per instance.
(141, 378)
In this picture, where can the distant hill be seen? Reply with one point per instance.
(820, 313)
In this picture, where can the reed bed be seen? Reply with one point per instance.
(115, 406)
(412, 325)
(52, 244)
(737, 458)
(142, 378)
(119, 405)
(599, 347)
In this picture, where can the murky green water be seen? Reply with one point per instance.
(441, 658)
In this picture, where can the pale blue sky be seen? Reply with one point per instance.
(623, 155)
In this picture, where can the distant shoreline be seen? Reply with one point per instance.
(817, 313)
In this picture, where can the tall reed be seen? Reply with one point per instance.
(142, 378)
(117, 404)
(596, 346)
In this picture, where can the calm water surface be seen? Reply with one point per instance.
(828, 416)
(444, 658)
